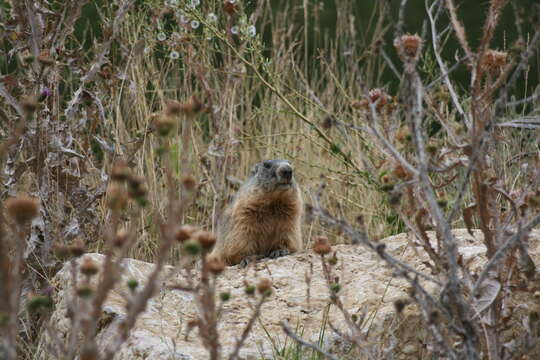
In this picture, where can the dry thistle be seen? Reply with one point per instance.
(494, 60)
(410, 45)
(164, 124)
(22, 208)
(120, 171)
(192, 106)
(377, 95)
(205, 238)
(399, 172)
(321, 246)
(77, 248)
(188, 182)
(184, 233)
(172, 108)
(214, 265)
(264, 287)
(230, 7)
(89, 267)
(136, 188)
(360, 104)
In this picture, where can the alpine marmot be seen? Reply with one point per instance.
(264, 219)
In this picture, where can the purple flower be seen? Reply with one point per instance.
(46, 92)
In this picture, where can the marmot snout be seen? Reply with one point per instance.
(265, 216)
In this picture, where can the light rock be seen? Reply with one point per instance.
(367, 284)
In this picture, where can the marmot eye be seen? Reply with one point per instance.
(267, 165)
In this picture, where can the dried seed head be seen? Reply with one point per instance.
(378, 94)
(321, 245)
(89, 267)
(192, 106)
(215, 265)
(136, 187)
(172, 108)
(264, 287)
(164, 124)
(120, 171)
(29, 103)
(193, 323)
(188, 182)
(205, 238)
(400, 172)
(409, 44)
(77, 248)
(230, 7)
(494, 60)
(134, 181)
(22, 208)
(360, 104)
(184, 232)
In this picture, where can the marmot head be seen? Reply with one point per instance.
(273, 175)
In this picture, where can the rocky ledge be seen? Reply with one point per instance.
(300, 297)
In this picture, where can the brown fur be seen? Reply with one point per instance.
(259, 222)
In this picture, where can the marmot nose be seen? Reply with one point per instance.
(285, 172)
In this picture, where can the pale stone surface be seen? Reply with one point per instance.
(367, 283)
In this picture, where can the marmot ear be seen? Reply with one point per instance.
(254, 170)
